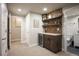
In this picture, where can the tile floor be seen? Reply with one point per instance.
(18, 49)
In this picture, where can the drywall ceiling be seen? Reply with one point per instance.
(34, 7)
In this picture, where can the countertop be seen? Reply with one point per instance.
(54, 34)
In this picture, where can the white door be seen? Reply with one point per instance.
(4, 29)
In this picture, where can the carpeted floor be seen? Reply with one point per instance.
(18, 49)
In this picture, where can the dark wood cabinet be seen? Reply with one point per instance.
(52, 43)
(52, 23)
(46, 41)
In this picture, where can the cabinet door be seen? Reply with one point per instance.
(59, 43)
(53, 44)
(46, 41)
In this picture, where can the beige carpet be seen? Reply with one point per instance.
(18, 49)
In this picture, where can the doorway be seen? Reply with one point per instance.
(14, 30)
(73, 41)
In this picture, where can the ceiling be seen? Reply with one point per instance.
(34, 7)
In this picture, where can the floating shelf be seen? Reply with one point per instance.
(51, 25)
(47, 20)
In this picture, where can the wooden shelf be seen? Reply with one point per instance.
(52, 25)
(47, 20)
(52, 21)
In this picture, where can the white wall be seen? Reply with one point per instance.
(25, 29)
(3, 30)
(31, 33)
(23, 22)
(70, 23)
(35, 30)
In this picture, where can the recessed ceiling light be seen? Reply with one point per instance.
(19, 10)
(44, 9)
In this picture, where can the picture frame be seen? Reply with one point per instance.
(35, 23)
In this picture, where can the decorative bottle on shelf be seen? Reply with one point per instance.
(49, 16)
(44, 17)
(58, 29)
(55, 22)
(45, 29)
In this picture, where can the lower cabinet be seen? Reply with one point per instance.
(52, 43)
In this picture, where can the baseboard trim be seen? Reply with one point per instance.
(33, 45)
(62, 49)
(30, 45)
(15, 40)
(25, 42)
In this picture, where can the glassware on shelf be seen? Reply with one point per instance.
(55, 22)
(45, 23)
(58, 29)
(49, 16)
(45, 29)
(44, 17)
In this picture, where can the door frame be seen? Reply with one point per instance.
(8, 30)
